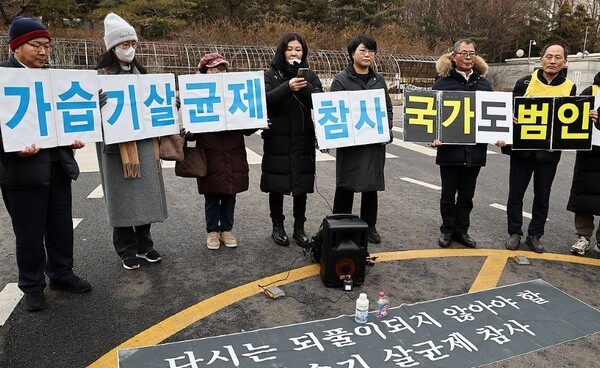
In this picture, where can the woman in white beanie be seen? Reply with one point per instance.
(132, 181)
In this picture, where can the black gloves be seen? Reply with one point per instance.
(102, 98)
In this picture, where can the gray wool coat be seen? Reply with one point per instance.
(361, 168)
(136, 201)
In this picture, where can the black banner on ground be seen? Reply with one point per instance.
(461, 331)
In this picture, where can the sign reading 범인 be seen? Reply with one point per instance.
(350, 118)
(48, 107)
(558, 123)
(223, 101)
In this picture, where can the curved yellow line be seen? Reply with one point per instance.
(177, 322)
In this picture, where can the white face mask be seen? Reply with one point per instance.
(125, 55)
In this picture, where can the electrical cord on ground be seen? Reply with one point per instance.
(264, 287)
(351, 297)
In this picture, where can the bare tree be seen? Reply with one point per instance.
(9, 9)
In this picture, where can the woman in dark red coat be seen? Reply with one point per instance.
(227, 170)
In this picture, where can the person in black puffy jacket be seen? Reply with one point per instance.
(584, 200)
(288, 165)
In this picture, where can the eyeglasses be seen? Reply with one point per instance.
(37, 47)
(365, 51)
(126, 45)
(465, 54)
(217, 69)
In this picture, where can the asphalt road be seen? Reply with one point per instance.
(77, 330)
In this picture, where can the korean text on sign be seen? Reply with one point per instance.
(350, 118)
(558, 123)
(138, 107)
(48, 107)
(457, 117)
(224, 101)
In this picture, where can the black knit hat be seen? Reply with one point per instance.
(23, 29)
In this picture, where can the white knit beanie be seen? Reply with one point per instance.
(117, 30)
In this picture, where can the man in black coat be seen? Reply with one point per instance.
(459, 70)
(542, 164)
(36, 188)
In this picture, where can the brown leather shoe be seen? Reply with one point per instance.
(534, 243)
(513, 242)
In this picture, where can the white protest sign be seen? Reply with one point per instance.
(494, 117)
(332, 119)
(245, 100)
(77, 115)
(350, 118)
(26, 109)
(202, 106)
(595, 131)
(157, 104)
(369, 117)
(121, 115)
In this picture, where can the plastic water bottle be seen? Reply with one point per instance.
(362, 309)
(382, 305)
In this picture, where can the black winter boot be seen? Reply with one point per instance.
(299, 234)
(279, 235)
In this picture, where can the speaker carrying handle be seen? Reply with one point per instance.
(342, 216)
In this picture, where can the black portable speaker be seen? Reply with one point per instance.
(343, 249)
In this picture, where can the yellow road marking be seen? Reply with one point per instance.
(487, 278)
(489, 274)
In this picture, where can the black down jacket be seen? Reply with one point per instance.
(288, 164)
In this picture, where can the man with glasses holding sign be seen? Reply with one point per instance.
(459, 70)
(36, 188)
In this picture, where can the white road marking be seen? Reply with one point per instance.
(422, 183)
(324, 156)
(9, 298)
(76, 221)
(418, 148)
(97, 193)
(503, 208)
(86, 158)
(415, 147)
(253, 157)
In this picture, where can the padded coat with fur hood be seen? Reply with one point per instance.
(451, 80)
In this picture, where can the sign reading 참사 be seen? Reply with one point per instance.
(460, 331)
(350, 118)
(48, 107)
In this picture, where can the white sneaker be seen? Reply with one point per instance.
(212, 240)
(228, 239)
(581, 246)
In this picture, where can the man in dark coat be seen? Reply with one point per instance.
(459, 70)
(36, 189)
(360, 169)
(584, 200)
(548, 81)
(288, 164)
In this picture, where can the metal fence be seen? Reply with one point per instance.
(162, 57)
